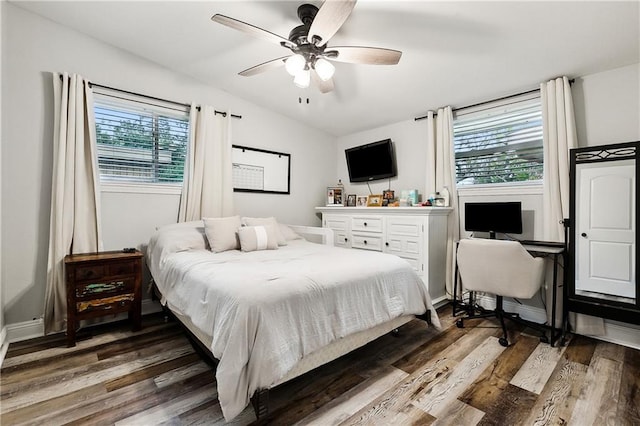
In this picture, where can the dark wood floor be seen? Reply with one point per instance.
(455, 376)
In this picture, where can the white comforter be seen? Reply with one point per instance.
(265, 310)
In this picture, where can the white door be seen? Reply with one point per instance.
(606, 228)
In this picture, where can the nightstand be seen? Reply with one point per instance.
(103, 283)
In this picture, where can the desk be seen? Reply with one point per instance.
(538, 249)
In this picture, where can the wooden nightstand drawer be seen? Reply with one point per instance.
(106, 305)
(89, 272)
(92, 290)
(121, 268)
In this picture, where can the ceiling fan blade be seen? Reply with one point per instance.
(329, 19)
(265, 66)
(363, 55)
(324, 86)
(252, 30)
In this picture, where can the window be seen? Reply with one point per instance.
(499, 142)
(140, 140)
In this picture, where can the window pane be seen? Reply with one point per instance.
(499, 145)
(140, 145)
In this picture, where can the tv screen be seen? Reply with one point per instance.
(504, 217)
(371, 161)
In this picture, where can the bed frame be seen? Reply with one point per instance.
(336, 349)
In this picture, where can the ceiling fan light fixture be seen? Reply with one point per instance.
(302, 79)
(324, 68)
(295, 64)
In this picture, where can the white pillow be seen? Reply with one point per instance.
(254, 238)
(266, 221)
(289, 234)
(181, 236)
(222, 232)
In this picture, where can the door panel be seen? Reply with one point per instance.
(605, 249)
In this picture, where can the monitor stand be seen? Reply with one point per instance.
(492, 235)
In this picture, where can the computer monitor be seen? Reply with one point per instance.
(503, 217)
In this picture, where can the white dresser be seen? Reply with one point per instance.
(417, 234)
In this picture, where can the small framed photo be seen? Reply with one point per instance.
(374, 200)
(335, 196)
(351, 200)
(388, 195)
(361, 201)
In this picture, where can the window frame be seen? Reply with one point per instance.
(107, 97)
(494, 109)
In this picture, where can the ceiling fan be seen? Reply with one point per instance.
(310, 56)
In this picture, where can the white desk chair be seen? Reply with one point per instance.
(503, 268)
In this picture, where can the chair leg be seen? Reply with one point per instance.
(500, 315)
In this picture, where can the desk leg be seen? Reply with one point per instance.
(554, 298)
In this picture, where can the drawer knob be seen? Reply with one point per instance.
(386, 244)
(365, 224)
(345, 240)
(365, 241)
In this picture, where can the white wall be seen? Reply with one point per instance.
(34, 47)
(607, 106)
(409, 141)
(2, 322)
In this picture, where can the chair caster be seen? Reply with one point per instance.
(503, 342)
(460, 323)
(395, 332)
(544, 339)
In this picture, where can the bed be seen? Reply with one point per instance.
(268, 316)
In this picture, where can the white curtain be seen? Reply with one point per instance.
(441, 173)
(559, 136)
(208, 188)
(75, 204)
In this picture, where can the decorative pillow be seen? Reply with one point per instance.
(222, 232)
(254, 238)
(270, 221)
(289, 234)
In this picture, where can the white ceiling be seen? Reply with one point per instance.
(454, 53)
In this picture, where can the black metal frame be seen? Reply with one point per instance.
(604, 308)
(266, 151)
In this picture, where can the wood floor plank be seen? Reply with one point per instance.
(538, 368)
(172, 408)
(558, 398)
(350, 402)
(436, 397)
(457, 341)
(458, 413)
(580, 349)
(487, 389)
(598, 401)
(397, 399)
(77, 382)
(514, 404)
(629, 401)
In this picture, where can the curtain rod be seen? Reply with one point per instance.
(102, 86)
(571, 81)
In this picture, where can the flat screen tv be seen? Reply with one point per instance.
(503, 217)
(371, 161)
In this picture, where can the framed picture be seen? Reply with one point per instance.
(335, 196)
(374, 200)
(351, 200)
(361, 201)
(388, 195)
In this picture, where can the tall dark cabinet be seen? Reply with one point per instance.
(603, 232)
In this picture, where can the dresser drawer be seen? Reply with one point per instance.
(104, 288)
(366, 223)
(367, 242)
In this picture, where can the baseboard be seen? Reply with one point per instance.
(31, 329)
(4, 344)
(615, 332)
